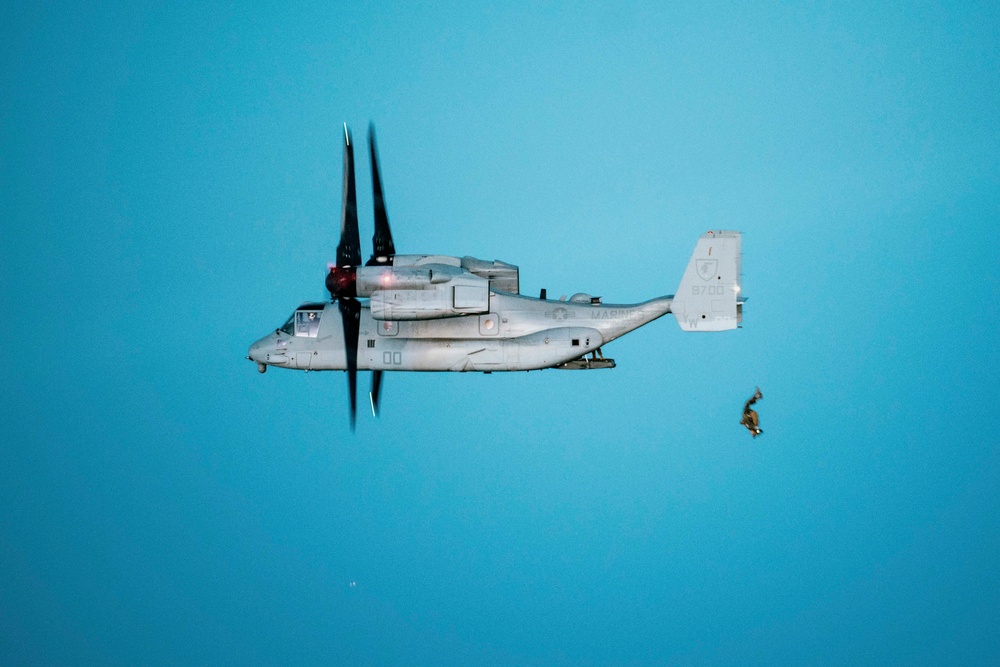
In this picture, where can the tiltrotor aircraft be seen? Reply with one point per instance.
(437, 313)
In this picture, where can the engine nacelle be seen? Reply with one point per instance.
(450, 300)
(423, 272)
(372, 279)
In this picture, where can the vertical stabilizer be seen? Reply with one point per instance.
(708, 298)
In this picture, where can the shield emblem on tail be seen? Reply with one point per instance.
(707, 268)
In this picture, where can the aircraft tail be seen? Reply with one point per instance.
(708, 298)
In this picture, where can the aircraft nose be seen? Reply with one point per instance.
(257, 351)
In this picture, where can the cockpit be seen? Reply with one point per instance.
(304, 322)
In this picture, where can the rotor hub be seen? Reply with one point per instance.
(342, 281)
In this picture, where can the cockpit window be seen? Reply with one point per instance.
(304, 321)
(307, 323)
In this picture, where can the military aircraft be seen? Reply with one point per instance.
(438, 313)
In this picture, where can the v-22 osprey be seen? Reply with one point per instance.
(439, 313)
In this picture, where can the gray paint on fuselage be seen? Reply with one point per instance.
(531, 334)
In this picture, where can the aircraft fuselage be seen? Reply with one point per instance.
(519, 333)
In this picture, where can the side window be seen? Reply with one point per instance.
(307, 323)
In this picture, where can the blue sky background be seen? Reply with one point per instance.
(170, 191)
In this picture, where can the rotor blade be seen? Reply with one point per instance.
(350, 315)
(349, 249)
(382, 240)
(376, 388)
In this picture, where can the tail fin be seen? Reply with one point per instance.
(708, 298)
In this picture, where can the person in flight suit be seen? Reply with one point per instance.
(750, 418)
